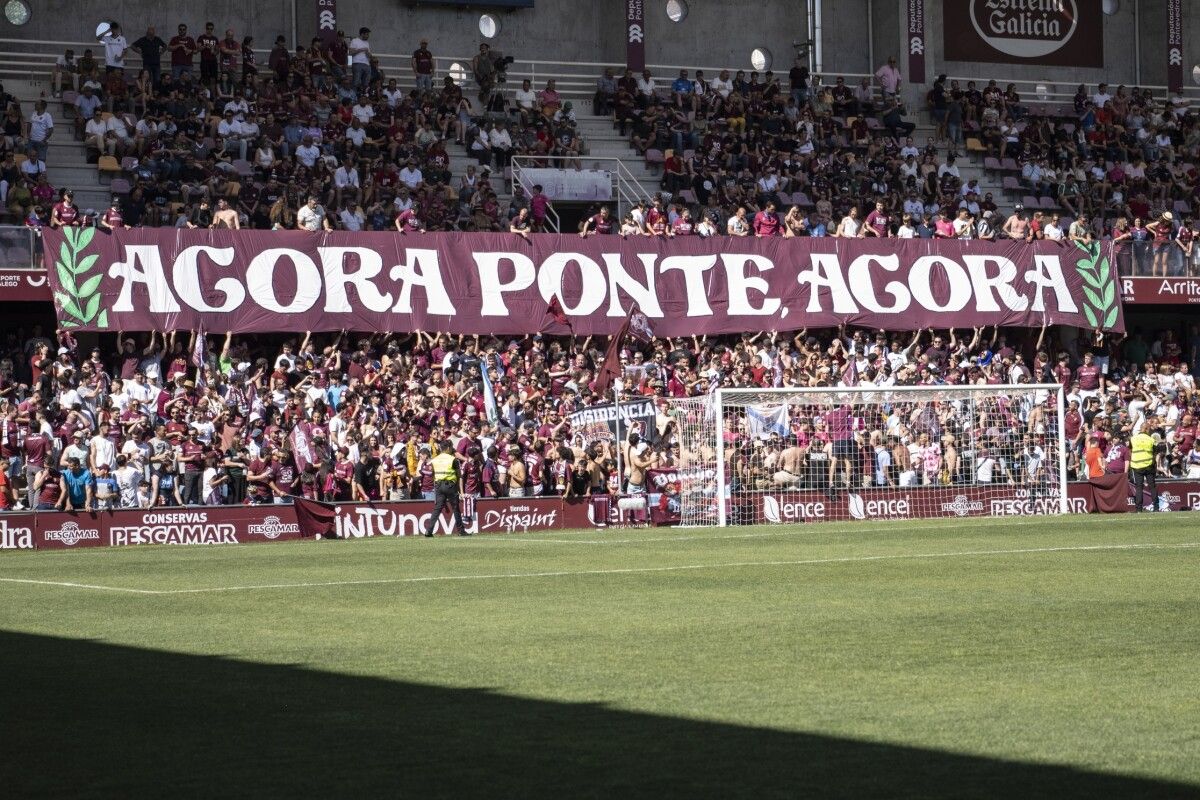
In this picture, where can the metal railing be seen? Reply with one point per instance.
(20, 248)
(627, 191)
(33, 59)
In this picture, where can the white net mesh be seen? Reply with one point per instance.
(696, 429)
(801, 455)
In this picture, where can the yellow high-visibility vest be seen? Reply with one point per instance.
(1142, 445)
(445, 467)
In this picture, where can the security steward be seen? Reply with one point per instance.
(1144, 446)
(445, 488)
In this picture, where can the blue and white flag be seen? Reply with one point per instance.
(763, 420)
(489, 395)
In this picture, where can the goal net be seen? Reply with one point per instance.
(867, 453)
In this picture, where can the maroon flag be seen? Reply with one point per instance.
(556, 311)
(315, 519)
(302, 446)
(610, 370)
(640, 326)
(850, 373)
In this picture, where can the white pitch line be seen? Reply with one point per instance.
(80, 586)
(678, 568)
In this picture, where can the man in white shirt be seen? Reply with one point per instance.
(1101, 96)
(41, 128)
(114, 49)
(721, 84)
(913, 206)
(964, 225)
(393, 94)
(308, 153)
(230, 129)
(1053, 229)
(117, 129)
(360, 59)
(502, 144)
(352, 218)
(526, 100)
(238, 106)
(102, 451)
(87, 103)
(95, 135)
(646, 86)
(909, 149)
(345, 178)
(949, 168)
(411, 176)
(311, 216)
(363, 111)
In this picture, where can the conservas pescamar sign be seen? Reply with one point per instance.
(254, 281)
(183, 527)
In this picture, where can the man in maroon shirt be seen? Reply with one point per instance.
(1090, 377)
(877, 222)
(191, 455)
(182, 48)
(601, 223)
(766, 222)
(37, 450)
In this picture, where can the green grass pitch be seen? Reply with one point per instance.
(1022, 658)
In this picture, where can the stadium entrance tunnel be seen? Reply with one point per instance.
(88, 719)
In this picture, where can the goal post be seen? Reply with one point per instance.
(756, 456)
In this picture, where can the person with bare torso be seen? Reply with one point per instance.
(791, 466)
(516, 472)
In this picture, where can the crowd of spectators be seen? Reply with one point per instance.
(812, 159)
(138, 424)
(262, 139)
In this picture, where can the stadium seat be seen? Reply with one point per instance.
(1048, 203)
(688, 196)
(1183, 207)
(108, 167)
(1031, 202)
(992, 164)
(1011, 184)
(1010, 165)
(654, 159)
(129, 164)
(243, 167)
(975, 146)
(120, 186)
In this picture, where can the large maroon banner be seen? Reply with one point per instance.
(265, 281)
(1062, 33)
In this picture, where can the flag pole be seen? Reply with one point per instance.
(617, 406)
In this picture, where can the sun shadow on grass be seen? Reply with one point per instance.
(86, 719)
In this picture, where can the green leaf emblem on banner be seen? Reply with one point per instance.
(79, 297)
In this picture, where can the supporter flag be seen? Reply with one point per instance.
(850, 373)
(315, 519)
(636, 324)
(489, 395)
(763, 420)
(198, 352)
(640, 327)
(302, 446)
(556, 311)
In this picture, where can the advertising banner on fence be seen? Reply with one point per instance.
(572, 185)
(1060, 33)
(261, 281)
(500, 515)
(195, 525)
(24, 285)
